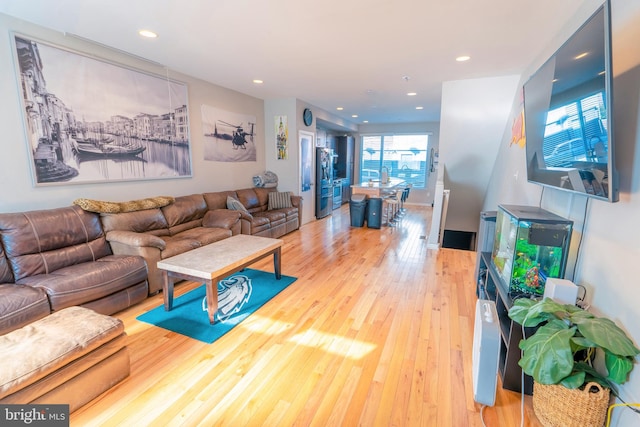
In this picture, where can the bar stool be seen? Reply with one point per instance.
(391, 199)
(404, 197)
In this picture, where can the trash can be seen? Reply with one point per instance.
(374, 213)
(357, 209)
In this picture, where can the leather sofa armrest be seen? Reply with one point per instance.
(296, 201)
(131, 238)
(246, 221)
(221, 218)
(245, 215)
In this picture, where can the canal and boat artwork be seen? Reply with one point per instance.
(88, 120)
(229, 137)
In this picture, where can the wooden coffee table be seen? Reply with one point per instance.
(214, 262)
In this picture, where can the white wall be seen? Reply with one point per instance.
(288, 170)
(18, 191)
(473, 116)
(609, 234)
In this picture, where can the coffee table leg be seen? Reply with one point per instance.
(167, 290)
(277, 263)
(212, 299)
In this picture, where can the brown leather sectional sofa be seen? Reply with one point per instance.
(196, 220)
(57, 260)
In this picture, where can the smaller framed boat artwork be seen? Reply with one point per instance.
(88, 120)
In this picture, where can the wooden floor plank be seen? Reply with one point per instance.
(376, 330)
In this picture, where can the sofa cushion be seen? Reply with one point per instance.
(176, 246)
(259, 223)
(221, 218)
(254, 199)
(274, 217)
(279, 200)
(204, 235)
(21, 305)
(30, 353)
(41, 242)
(185, 213)
(98, 279)
(218, 200)
(235, 205)
(146, 221)
(291, 213)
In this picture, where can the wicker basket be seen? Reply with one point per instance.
(558, 406)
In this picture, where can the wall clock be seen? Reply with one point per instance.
(307, 117)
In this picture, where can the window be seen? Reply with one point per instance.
(405, 157)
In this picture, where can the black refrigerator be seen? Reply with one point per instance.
(324, 182)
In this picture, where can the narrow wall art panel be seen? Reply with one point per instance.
(282, 137)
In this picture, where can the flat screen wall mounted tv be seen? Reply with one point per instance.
(569, 116)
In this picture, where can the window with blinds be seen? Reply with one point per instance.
(404, 156)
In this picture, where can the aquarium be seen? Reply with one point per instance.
(530, 245)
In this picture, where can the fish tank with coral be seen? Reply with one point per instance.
(530, 245)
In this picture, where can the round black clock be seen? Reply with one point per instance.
(307, 117)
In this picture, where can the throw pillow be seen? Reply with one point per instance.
(99, 206)
(235, 204)
(279, 200)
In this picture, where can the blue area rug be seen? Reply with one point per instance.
(239, 295)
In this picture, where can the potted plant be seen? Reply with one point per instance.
(560, 357)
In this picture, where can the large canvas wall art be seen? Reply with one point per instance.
(229, 137)
(89, 120)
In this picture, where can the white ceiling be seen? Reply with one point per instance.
(329, 53)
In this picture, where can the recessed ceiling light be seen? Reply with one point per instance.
(148, 33)
(339, 108)
(365, 121)
(582, 55)
(411, 94)
(419, 108)
(463, 58)
(258, 81)
(355, 116)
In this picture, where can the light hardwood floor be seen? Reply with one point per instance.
(376, 331)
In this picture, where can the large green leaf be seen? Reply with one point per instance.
(520, 309)
(547, 354)
(593, 375)
(580, 343)
(618, 367)
(574, 380)
(606, 334)
(529, 313)
(578, 316)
